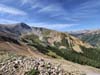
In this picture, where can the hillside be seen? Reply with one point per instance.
(55, 44)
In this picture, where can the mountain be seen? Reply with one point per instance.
(90, 36)
(48, 37)
(17, 29)
(33, 40)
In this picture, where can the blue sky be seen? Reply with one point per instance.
(61, 15)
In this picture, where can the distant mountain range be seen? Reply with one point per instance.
(90, 36)
(20, 36)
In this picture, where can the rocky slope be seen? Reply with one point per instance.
(30, 66)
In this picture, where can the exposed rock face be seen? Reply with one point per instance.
(58, 39)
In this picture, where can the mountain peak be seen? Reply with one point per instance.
(23, 25)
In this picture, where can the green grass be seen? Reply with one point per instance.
(53, 54)
(33, 72)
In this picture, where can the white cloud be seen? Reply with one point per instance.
(51, 8)
(56, 11)
(11, 10)
(24, 1)
(90, 4)
(7, 21)
(52, 26)
(27, 1)
(37, 5)
(87, 9)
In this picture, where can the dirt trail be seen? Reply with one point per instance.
(14, 48)
(93, 73)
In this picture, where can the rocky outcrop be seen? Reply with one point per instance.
(23, 65)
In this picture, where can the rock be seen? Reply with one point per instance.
(22, 65)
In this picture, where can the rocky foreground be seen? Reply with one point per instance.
(31, 66)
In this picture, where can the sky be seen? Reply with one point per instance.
(61, 15)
